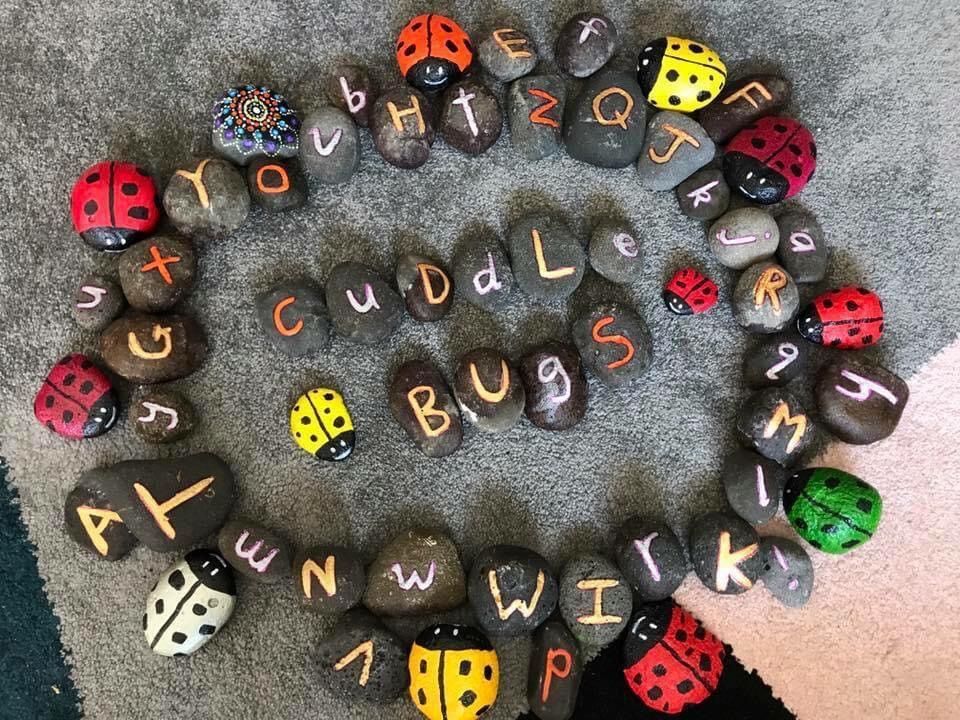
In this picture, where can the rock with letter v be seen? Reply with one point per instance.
(153, 348)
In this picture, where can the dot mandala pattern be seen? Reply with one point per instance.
(256, 119)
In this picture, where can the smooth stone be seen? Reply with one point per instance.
(766, 298)
(674, 149)
(352, 89)
(277, 185)
(160, 415)
(787, 571)
(320, 424)
(776, 360)
(489, 390)
(858, 401)
(190, 603)
(426, 287)
(535, 108)
(97, 301)
(803, 250)
(209, 197)
(595, 600)
(725, 552)
(482, 274)
(507, 54)
(153, 348)
(616, 253)
(846, 318)
(330, 151)
(548, 261)
(363, 308)
(770, 160)
(614, 342)
(423, 404)
(553, 678)
(402, 127)
(742, 102)
(604, 124)
(293, 317)
(704, 195)
(511, 589)
(651, 557)
(113, 205)
(329, 579)
(76, 399)
(680, 74)
(416, 573)
(158, 273)
(555, 385)
(92, 522)
(275, 125)
(743, 237)
(753, 485)
(433, 51)
(470, 117)
(254, 551)
(585, 44)
(360, 659)
(690, 292)
(774, 423)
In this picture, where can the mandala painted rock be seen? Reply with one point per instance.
(651, 558)
(293, 317)
(704, 195)
(153, 348)
(860, 402)
(254, 551)
(679, 74)
(511, 590)
(76, 399)
(787, 571)
(535, 108)
(770, 160)
(615, 252)
(402, 127)
(605, 122)
(775, 361)
(743, 237)
(157, 274)
(329, 579)
(92, 522)
(209, 197)
(97, 302)
(743, 102)
(765, 299)
(482, 273)
(489, 390)
(753, 485)
(774, 423)
(548, 261)
(161, 415)
(614, 342)
(725, 551)
(803, 250)
(507, 54)
(320, 423)
(330, 150)
(113, 205)
(595, 600)
(470, 117)
(675, 147)
(363, 308)
(433, 52)
(848, 318)
(585, 44)
(690, 292)
(251, 122)
(351, 89)
(556, 666)
(425, 286)
(556, 387)
(423, 404)
(277, 185)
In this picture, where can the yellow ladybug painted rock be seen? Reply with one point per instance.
(679, 74)
(454, 673)
(320, 423)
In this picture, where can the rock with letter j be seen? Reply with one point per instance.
(423, 404)
(153, 348)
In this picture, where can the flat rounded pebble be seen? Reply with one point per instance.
(547, 259)
(553, 678)
(860, 402)
(251, 122)
(363, 308)
(616, 253)
(535, 109)
(157, 273)
(254, 551)
(489, 390)
(402, 127)
(787, 571)
(482, 274)
(765, 299)
(330, 150)
(97, 301)
(595, 600)
(742, 102)
(604, 123)
(153, 348)
(293, 317)
(91, 520)
(511, 590)
(725, 551)
(614, 342)
(329, 579)
(743, 237)
(424, 406)
(775, 360)
(674, 148)
(426, 287)
(556, 387)
(161, 415)
(651, 557)
(585, 44)
(277, 185)
(351, 89)
(507, 53)
(208, 197)
(753, 485)
(774, 423)
(470, 117)
(704, 195)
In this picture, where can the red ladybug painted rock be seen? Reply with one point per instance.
(432, 52)
(76, 399)
(689, 292)
(113, 205)
(848, 318)
(770, 160)
(670, 661)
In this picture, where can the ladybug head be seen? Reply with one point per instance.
(103, 415)
(794, 486)
(810, 325)
(649, 62)
(212, 570)
(676, 304)
(453, 637)
(755, 180)
(432, 74)
(338, 447)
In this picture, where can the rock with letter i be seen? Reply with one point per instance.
(489, 390)
(423, 404)
(595, 600)
(511, 589)
(254, 551)
(329, 579)
(293, 317)
(787, 572)
(753, 485)
(860, 402)
(742, 237)
(556, 667)
(614, 342)
(725, 551)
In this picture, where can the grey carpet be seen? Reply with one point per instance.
(877, 83)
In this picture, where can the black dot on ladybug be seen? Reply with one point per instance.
(672, 75)
(758, 143)
(51, 426)
(867, 339)
(800, 523)
(417, 25)
(176, 580)
(675, 46)
(451, 46)
(482, 710)
(699, 633)
(705, 662)
(829, 528)
(67, 416)
(828, 303)
(69, 379)
(711, 78)
(693, 79)
(158, 606)
(681, 636)
(179, 638)
(684, 686)
(780, 128)
(85, 387)
(326, 411)
(468, 698)
(659, 670)
(816, 544)
(423, 667)
(207, 629)
(339, 422)
(400, 45)
(703, 96)
(832, 482)
(853, 332)
(199, 609)
(638, 679)
(142, 172)
(93, 178)
(446, 27)
(796, 170)
(673, 100)
(864, 505)
(144, 621)
(129, 189)
(834, 342)
(421, 697)
(90, 207)
(86, 364)
(795, 150)
(313, 438)
(305, 420)
(850, 544)
(694, 48)
(655, 693)
(139, 212)
(487, 672)
(328, 397)
(464, 668)
(778, 164)
(411, 49)
(813, 149)
(852, 306)
(48, 401)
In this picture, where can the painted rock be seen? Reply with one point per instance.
(787, 571)
(489, 390)
(97, 302)
(320, 423)
(556, 667)
(417, 572)
(595, 600)
(293, 317)
(511, 590)
(860, 402)
(363, 308)
(725, 552)
(743, 237)
(277, 185)
(775, 361)
(680, 74)
(250, 122)
(773, 422)
(209, 197)
(651, 558)
(92, 522)
(675, 148)
(153, 348)
(170, 504)
(770, 160)
(832, 510)
(604, 124)
(585, 44)
(190, 603)
(470, 117)
(330, 151)
(535, 107)
(547, 260)
(848, 318)
(352, 89)
(614, 342)
(433, 52)
(329, 579)
(157, 274)
(765, 299)
(507, 54)
(360, 659)
(160, 415)
(670, 661)
(402, 127)
(743, 102)
(615, 252)
(753, 485)
(704, 195)
(254, 551)
(76, 399)
(425, 286)
(482, 273)
(454, 673)
(555, 386)
(113, 205)
(690, 292)
(424, 406)
(803, 250)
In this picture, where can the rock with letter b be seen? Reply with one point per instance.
(556, 667)
(423, 404)
(254, 551)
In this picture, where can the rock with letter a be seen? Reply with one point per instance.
(753, 485)
(254, 551)
(614, 342)
(860, 402)
(93, 523)
(803, 250)
(595, 600)
(555, 671)
(329, 579)
(773, 422)
(153, 348)
(489, 390)
(725, 551)
(426, 287)
(424, 406)
(605, 123)
(293, 317)
(511, 590)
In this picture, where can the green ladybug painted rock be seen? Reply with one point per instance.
(832, 510)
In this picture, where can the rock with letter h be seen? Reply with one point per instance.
(511, 589)
(860, 402)
(423, 404)
(254, 551)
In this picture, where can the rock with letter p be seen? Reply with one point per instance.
(153, 348)
(422, 403)
(614, 343)
(556, 667)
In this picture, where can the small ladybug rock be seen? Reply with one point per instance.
(689, 292)
(848, 318)
(433, 52)
(320, 423)
(770, 160)
(76, 399)
(679, 74)
(113, 205)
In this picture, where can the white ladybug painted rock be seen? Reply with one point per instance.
(189, 604)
